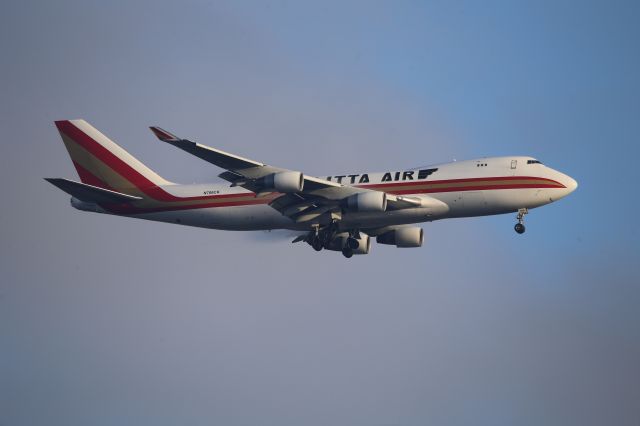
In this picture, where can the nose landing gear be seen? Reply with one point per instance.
(520, 225)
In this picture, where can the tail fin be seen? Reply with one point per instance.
(103, 163)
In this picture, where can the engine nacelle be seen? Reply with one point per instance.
(285, 182)
(340, 241)
(403, 237)
(373, 201)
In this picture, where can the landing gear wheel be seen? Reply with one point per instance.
(352, 243)
(347, 252)
(317, 244)
(520, 225)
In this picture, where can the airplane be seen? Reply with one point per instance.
(338, 212)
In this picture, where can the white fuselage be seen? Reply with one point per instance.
(479, 187)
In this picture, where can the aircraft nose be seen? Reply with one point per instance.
(571, 184)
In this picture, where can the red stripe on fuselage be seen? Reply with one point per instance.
(135, 210)
(471, 188)
(464, 180)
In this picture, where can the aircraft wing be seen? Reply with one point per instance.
(316, 197)
(242, 167)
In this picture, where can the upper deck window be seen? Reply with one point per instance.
(533, 162)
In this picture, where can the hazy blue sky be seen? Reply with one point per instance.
(106, 321)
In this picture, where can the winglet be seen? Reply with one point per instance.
(163, 135)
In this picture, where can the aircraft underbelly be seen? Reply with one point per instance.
(392, 217)
(497, 201)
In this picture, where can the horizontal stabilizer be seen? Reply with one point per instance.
(90, 193)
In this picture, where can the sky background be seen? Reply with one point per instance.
(106, 320)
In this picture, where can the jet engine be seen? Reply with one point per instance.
(373, 201)
(403, 237)
(284, 182)
(339, 242)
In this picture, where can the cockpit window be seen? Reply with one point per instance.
(533, 162)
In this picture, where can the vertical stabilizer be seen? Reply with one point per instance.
(103, 163)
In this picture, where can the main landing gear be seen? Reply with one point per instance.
(326, 238)
(347, 252)
(520, 225)
(316, 241)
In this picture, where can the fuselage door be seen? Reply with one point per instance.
(514, 164)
